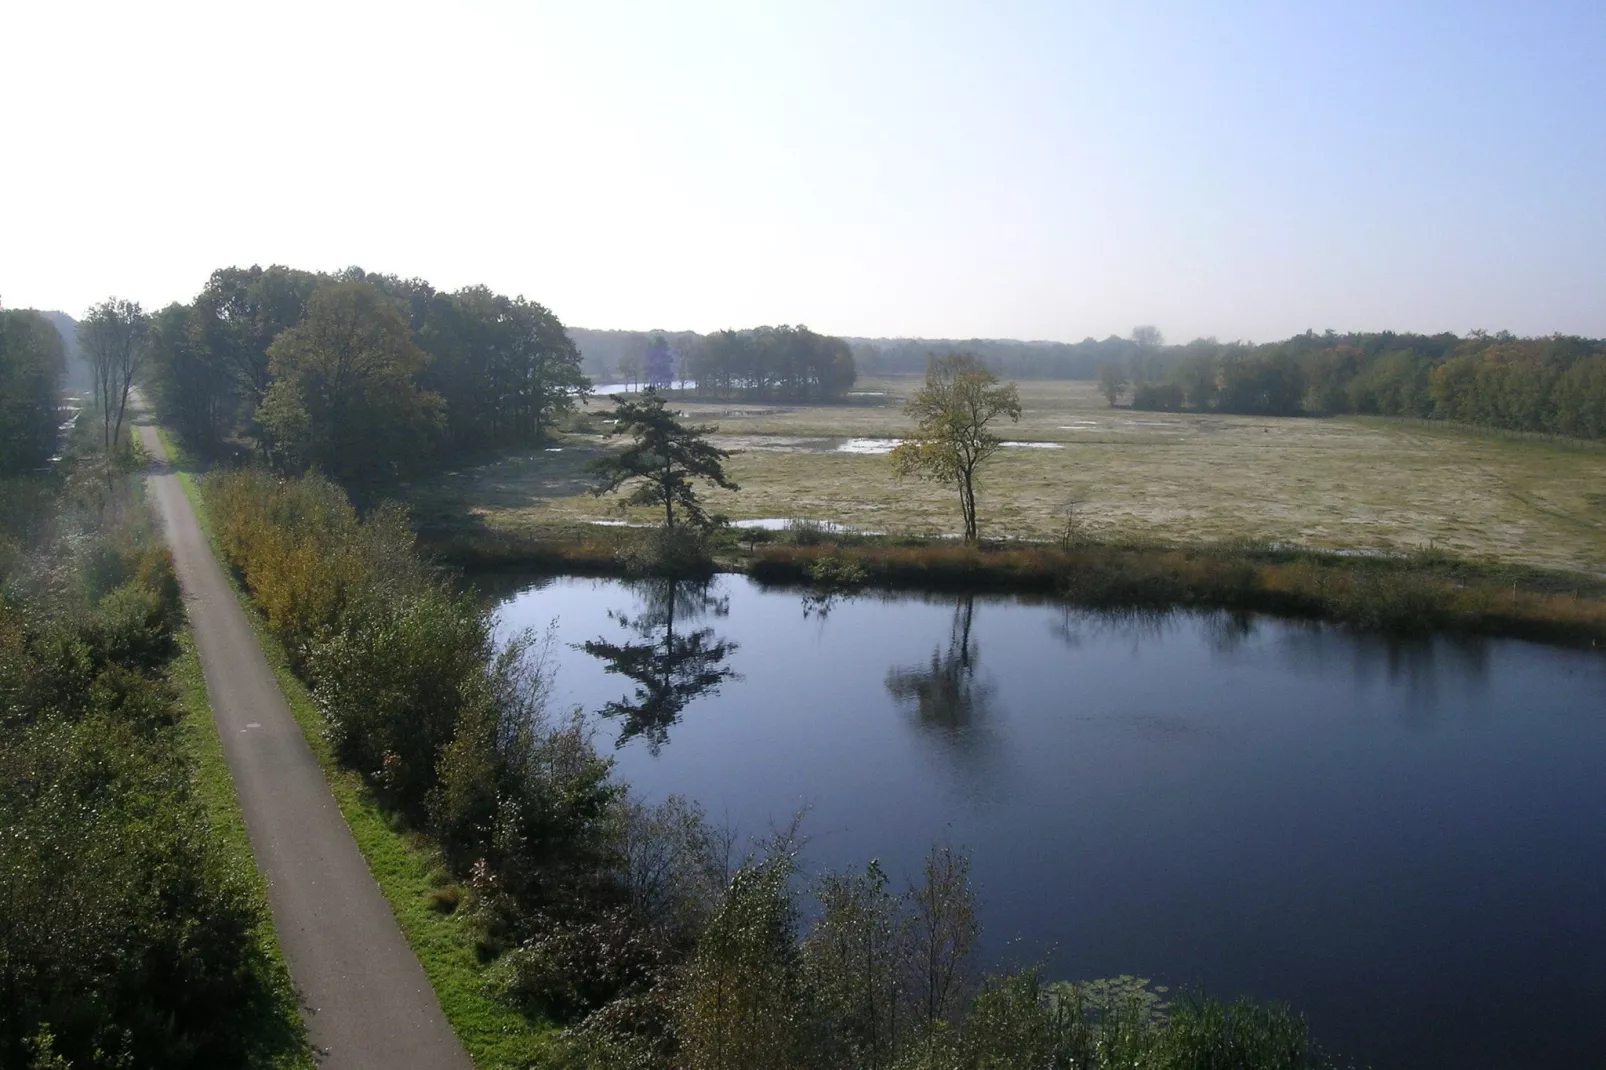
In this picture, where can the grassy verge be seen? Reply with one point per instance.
(281, 1043)
(408, 871)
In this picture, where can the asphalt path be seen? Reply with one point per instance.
(364, 996)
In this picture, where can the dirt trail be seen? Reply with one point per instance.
(364, 996)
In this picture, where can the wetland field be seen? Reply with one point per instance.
(1366, 484)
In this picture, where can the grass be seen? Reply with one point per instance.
(1159, 478)
(409, 874)
(281, 1043)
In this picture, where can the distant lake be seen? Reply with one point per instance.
(1404, 840)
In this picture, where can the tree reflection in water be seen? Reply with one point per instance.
(669, 664)
(951, 701)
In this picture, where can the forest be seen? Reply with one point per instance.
(1554, 385)
(367, 377)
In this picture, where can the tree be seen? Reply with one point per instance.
(660, 363)
(1112, 382)
(1148, 337)
(235, 319)
(505, 367)
(113, 337)
(630, 370)
(664, 460)
(192, 390)
(32, 366)
(344, 396)
(960, 400)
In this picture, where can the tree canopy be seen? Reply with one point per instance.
(345, 396)
(462, 372)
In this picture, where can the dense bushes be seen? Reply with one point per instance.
(124, 938)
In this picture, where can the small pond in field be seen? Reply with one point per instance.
(1404, 839)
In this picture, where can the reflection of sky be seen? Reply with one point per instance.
(1353, 824)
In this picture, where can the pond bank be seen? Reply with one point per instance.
(1413, 593)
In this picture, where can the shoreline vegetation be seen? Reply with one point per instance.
(1416, 593)
(625, 934)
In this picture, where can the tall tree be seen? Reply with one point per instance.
(192, 390)
(236, 317)
(32, 366)
(664, 460)
(660, 363)
(952, 440)
(345, 396)
(114, 338)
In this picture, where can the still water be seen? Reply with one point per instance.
(1405, 840)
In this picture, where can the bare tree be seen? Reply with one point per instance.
(113, 337)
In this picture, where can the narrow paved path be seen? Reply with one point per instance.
(364, 996)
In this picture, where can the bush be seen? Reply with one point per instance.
(678, 552)
(804, 532)
(391, 682)
(572, 968)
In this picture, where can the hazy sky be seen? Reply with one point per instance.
(1048, 170)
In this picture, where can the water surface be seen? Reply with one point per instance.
(1407, 841)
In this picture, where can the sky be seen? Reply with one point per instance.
(1049, 170)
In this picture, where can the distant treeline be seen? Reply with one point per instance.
(1553, 385)
(792, 363)
(365, 376)
(1010, 359)
(781, 363)
(612, 356)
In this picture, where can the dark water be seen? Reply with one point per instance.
(1407, 841)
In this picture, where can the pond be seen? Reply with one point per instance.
(1405, 840)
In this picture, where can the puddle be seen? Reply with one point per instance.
(868, 445)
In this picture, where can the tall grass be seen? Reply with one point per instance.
(1415, 594)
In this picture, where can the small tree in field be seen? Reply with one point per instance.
(1112, 382)
(960, 400)
(663, 461)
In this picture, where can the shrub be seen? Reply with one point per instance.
(391, 684)
(677, 552)
(571, 968)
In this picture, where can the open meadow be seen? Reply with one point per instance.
(1370, 484)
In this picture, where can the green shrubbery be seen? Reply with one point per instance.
(124, 938)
